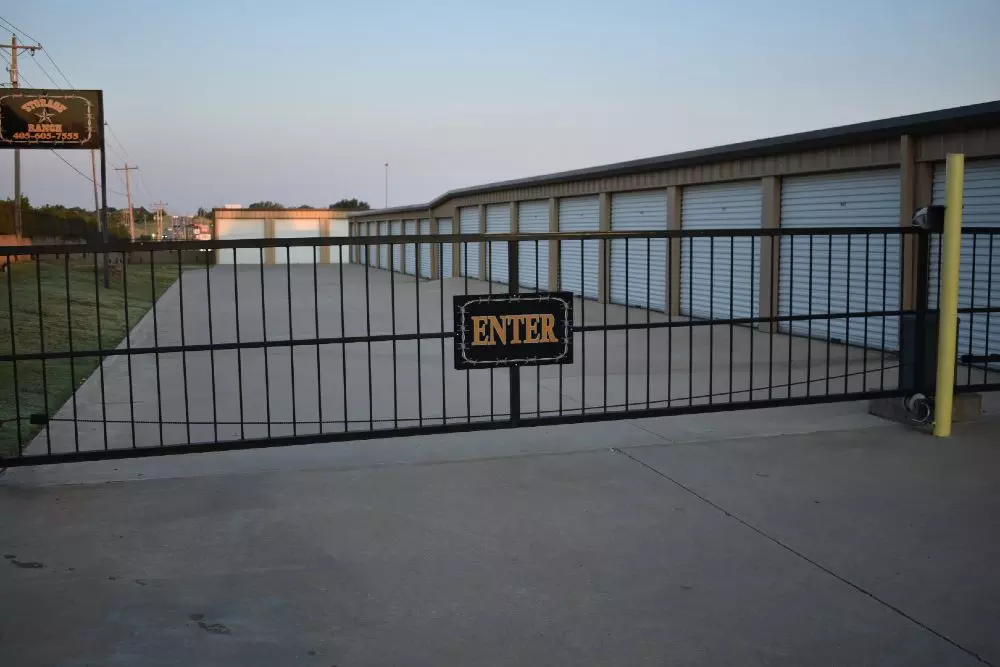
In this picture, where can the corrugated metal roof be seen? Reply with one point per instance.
(944, 120)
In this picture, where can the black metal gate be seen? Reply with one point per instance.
(194, 349)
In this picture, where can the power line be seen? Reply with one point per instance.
(65, 78)
(115, 137)
(16, 29)
(71, 166)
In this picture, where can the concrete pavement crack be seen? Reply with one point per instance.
(803, 557)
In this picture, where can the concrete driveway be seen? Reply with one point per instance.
(604, 544)
(226, 395)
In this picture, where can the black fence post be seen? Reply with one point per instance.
(514, 287)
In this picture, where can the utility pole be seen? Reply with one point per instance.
(160, 209)
(128, 193)
(14, 83)
(386, 185)
(93, 172)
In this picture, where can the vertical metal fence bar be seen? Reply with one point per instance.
(989, 307)
(187, 402)
(864, 357)
(444, 383)
(669, 300)
(711, 315)
(13, 350)
(41, 348)
(809, 329)
(128, 348)
(319, 361)
(291, 335)
(628, 333)
(885, 285)
(416, 289)
(468, 378)
(774, 323)
(690, 316)
(263, 329)
(829, 307)
(583, 335)
(791, 307)
(559, 284)
(343, 331)
(514, 287)
(489, 288)
(755, 298)
(100, 346)
(604, 334)
(972, 304)
(847, 320)
(211, 351)
(732, 309)
(538, 369)
(368, 343)
(239, 350)
(72, 359)
(649, 308)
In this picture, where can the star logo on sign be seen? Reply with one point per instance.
(44, 116)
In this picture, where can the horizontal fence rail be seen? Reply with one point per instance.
(227, 344)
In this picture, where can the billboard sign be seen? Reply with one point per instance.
(37, 118)
(498, 330)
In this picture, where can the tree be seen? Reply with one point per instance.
(354, 204)
(267, 205)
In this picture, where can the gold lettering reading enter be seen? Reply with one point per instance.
(513, 329)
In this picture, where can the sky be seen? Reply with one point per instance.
(303, 101)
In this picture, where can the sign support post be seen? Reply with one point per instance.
(104, 187)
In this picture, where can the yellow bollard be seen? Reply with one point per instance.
(951, 258)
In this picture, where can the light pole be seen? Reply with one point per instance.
(386, 185)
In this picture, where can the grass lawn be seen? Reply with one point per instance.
(66, 298)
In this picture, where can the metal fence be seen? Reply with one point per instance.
(260, 348)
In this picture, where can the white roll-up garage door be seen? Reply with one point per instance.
(410, 229)
(533, 218)
(373, 249)
(845, 274)
(425, 250)
(447, 257)
(469, 224)
(578, 260)
(720, 276)
(497, 222)
(639, 266)
(292, 229)
(231, 230)
(396, 229)
(980, 208)
(383, 250)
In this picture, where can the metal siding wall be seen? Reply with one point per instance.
(383, 251)
(978, 333)
(533, 268)
(579, 214)
(410, 252)
(469, 224)
(630, 284)
(396, 229)
(720, 277)
(497, 222)
(425, 250)
(852, 199)
(445, 227)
